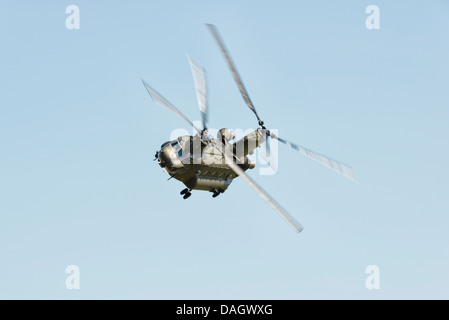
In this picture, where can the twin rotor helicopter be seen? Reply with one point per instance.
(201, 162)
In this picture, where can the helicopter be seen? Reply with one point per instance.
(202, 162)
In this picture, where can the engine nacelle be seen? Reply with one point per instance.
(226, 135)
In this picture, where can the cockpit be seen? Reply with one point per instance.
(177, 148)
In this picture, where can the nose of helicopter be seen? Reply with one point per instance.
(163, 158)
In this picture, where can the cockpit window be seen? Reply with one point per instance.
(165, 145)
(176, 146)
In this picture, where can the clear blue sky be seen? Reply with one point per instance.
(78, 133)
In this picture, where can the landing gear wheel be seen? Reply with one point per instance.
(216, 194)
(184, 191)
(187, 195)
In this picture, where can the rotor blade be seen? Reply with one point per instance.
(231, 66)
(341, 168)
(199, 80)
(164, 103)
(295, 224)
